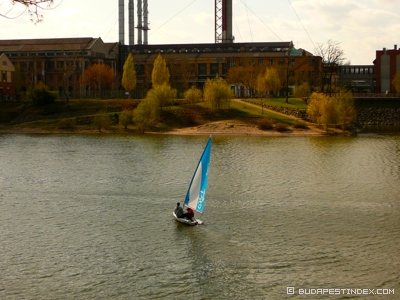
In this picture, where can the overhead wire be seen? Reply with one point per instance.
(302, 24)
(260, 19)
(248, 20)
(166, 22)
(238, 29)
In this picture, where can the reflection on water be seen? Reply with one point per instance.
(91, 217)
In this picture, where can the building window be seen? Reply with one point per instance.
(311, 62)
(139, 68)
(224, 69)
(251, 62)
(272, 62)
(231, 63)
(50, 65)
(260, 62)
(214, 69)
(281, 62)
(202, 69)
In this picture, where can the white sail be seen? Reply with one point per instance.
(196, 195)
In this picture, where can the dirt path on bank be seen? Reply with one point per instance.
(237, 127)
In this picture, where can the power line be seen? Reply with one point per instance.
(248, 20)
(174, 16)
(261, 20)
(301, 23)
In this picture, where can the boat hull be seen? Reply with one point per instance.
(186, 221)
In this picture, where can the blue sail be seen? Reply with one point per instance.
(196, 194)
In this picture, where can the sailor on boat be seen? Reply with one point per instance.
(178, 210)
(188, 215)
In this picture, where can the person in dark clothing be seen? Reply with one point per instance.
(189, 214)
(178, 210)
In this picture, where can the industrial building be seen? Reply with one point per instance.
(60, 63)
(387, 64)
(7, 70)
(57, 63)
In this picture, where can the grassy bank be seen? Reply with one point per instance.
(81, 114)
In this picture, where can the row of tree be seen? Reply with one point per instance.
(322, 109)
(337, 110)
(216, 94)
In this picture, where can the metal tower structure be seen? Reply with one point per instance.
(223, 21)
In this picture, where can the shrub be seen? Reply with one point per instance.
(193, 95)
(265, 124)
(125, 118)
(102, 121)
(282, 127)
(146, 114)
(300, 124)
(67, 124)
(217, 93)
(41, 95)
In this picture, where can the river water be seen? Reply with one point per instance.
(90, 217)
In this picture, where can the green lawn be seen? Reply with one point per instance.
(251, 110)
(293, 102)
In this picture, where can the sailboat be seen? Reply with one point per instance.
(196, 194)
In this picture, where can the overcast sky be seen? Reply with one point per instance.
(361, 26)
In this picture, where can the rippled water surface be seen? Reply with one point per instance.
(86, 217)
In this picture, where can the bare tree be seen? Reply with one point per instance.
(332, 56)
(33, 7)
(288, 67)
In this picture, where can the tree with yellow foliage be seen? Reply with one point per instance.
(129, 75)
(193, 95)
(396, 82)
(160, 74)
(331, 111)
(217, 93)
(268, 82)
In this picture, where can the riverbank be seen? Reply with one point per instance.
(77, 117)
(223, 127)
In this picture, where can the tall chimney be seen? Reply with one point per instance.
(227, 36)
(145, 22)
(121, 22)
(139, 22)
(131, 23)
